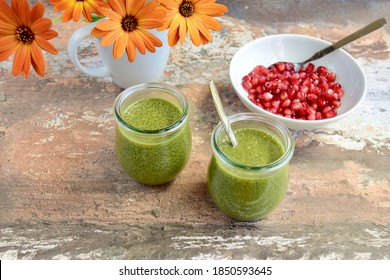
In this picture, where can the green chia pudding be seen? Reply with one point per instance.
(248, 194)
(153, 158)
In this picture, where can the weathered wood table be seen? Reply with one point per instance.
(64, 196)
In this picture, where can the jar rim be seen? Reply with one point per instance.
(285, 132)
(152, 85)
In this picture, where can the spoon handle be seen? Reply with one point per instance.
(356, 35)
(221, 113)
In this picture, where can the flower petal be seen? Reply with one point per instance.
(171, 4)
(8, 42)
(8, 15)
(49, 34)
(6, 28)
(37, 11)
(67, 15)
(77, 11)
(87, 13)
(98, 33)
(150, 23)
(22, 9)
(173, 36)
(201, 27)
(108, 25)
(146, 9)
(120, 46)
(211, 9)
(150, 40)
(138, 42)
(111, 37)
(209, 22)
(38, 61)
(40, 26)
(118, 6)
(5, 54)
(194, 32)
(45, 45)
(137, 5)
(131, 50)
(183, 29)
(19, 59)
(111, 14)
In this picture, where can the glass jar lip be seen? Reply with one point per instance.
(151, 85)
(285, 158)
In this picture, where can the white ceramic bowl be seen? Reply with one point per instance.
(295, 48)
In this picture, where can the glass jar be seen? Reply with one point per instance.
(152, 156)
(246, 192)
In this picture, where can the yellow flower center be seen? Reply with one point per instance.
(129, 23)
(186, 8)
(25, 35)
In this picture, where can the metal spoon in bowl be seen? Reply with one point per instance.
(356, 35)
(221, 113)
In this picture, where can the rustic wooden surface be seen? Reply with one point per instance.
(64, 196)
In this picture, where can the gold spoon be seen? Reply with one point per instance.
(221, 113)
(356, 35)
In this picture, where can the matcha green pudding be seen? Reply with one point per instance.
(154, 145)
(247, 182)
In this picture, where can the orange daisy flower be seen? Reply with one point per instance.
(24, 32)
(74, 8)
(192, 16)
(126, 27)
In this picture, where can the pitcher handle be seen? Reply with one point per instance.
(75, 40)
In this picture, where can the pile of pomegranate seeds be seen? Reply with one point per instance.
(310, 94)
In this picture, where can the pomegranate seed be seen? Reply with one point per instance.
(255, 82)
(276, 103)
(267, 104)
(321, 103)
(262, 79)
(322, 71)
(291, 93)
(312, 97)
(286, 103)
(280, 67)
(330, 114)
(295, 76)
(301, 96)
(331, 77)
(316, 90)
(267, 96)
(295, 106)
(310, 110)
(314, 76)
(260, 89)
(307, 82)
(302, 75)
(323, 85)
(335, 96)
(307, 94)
(247, 85)
(283, 96)
(309, 68)
(282, 86)
(287, 111)
(335, 104)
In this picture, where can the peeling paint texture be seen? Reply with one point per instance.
(64, 196)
